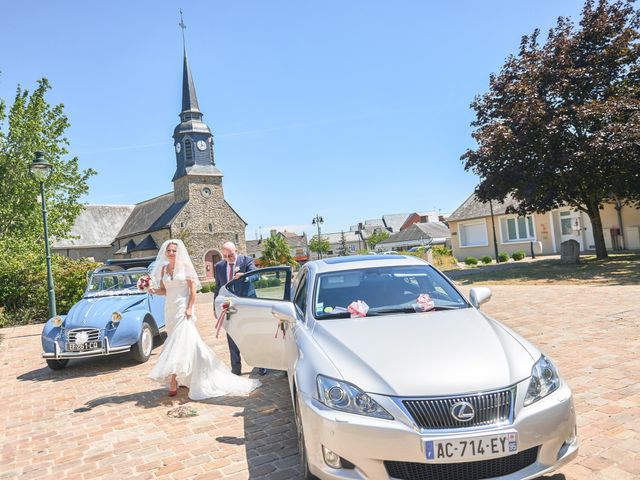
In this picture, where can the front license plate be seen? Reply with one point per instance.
(74, 347)
(471, 448)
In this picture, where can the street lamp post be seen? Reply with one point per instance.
(317, 220)
(40, 169)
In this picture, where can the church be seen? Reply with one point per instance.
(196, 211)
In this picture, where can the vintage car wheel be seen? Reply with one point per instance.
(57, 364)
(142, 349)
(302, 449)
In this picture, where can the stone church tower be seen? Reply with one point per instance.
(207, 220)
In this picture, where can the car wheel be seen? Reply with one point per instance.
(302, 449)
(57, 364)
(142, 349)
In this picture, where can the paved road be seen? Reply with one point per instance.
(102, 418)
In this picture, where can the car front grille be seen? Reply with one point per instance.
(491, 409)
(476, 470)
(93, 334)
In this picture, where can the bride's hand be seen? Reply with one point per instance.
(188, 313)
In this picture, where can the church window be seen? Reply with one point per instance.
(181, 224)
(211, 227)
(188, 150)
(237, 238)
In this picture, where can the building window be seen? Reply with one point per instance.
(237, 238)
(352, 248)
(181, 224)
(211, 227)
(473, 234)
(517, 229)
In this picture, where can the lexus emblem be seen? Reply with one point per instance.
(463, 411)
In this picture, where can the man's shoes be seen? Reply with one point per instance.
(262, 372)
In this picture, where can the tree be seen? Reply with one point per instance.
(276, 252)
(343, 250)
(32, 124)
(560, 124)
(376, 237)
(319, 245)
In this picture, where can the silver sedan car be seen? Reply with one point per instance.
(423, 386)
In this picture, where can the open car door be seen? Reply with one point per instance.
(250, 319)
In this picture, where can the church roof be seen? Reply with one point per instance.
(148, 243)
(96, 225)
(151, 215)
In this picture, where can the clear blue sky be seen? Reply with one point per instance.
(350, 109)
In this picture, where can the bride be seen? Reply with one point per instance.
(185, 358)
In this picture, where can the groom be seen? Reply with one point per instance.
(232, 267)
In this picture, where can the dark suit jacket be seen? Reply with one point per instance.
(243, 262)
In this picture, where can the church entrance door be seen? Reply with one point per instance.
(210, 259)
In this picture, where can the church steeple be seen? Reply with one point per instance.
(189, 98)
(193, 140)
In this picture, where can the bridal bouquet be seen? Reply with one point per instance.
(144, 283)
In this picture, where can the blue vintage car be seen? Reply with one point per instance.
(114, 316)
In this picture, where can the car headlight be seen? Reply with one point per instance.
(544, 380)
(116, 317)
(57, 321)
(343, 396)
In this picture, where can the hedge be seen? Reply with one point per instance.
(23, 283)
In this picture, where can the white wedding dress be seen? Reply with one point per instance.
(185, 353)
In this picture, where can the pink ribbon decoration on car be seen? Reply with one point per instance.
(425, 302)
(358, 309)
(223, 313)
(281, 328)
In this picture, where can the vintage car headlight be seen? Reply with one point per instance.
(348, 398)
(116, 317)
(57, 321)
(544, 380)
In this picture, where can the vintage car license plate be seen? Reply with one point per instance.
(74, 347)
(481, 447)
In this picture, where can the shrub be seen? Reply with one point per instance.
(441, 250)
(503, 257)
(273, 282)
(208, 286)
(23, 283)
(487, 259)
(518, 255)
(471, 260)
(262, 283)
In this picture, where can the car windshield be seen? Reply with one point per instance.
(114, 283)
(385, 290)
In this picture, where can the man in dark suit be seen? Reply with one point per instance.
(232, 267)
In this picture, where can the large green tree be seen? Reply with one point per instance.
(276, 251)
(32, 124)
(560, 124)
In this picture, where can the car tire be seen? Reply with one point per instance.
(141, 350)
(57, 364)
(302, 449)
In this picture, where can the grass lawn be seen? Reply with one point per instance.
(618, 269)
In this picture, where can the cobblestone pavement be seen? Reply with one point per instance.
(103, 418)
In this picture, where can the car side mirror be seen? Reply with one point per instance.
(479, 295)
(284, 311)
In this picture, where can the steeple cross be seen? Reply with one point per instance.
(182, 26)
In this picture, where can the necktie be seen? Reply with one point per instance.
(230, 274)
